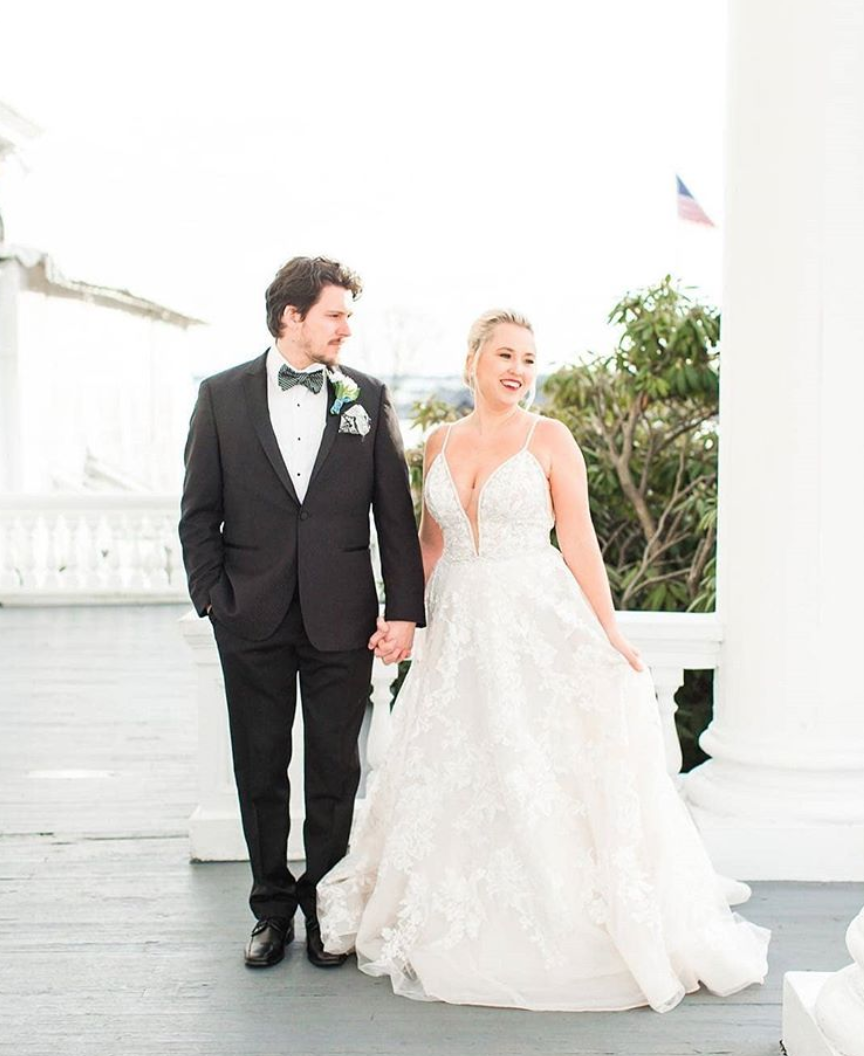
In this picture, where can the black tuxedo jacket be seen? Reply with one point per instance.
(248, 542)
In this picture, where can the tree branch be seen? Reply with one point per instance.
(689, 426)
(703, 555)
(621, 462)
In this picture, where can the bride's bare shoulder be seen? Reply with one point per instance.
(553, 434)
(555, 446)
(434, 442)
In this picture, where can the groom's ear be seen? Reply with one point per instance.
(291, 317)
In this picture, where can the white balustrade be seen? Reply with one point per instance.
(82, 549)
(670, 643)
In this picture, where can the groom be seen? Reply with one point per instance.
(286, 454)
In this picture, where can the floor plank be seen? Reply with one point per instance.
(111, 941)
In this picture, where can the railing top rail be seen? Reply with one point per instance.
(77, 502)
(703, 626)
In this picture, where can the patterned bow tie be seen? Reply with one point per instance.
(288, 378)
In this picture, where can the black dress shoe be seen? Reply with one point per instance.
(315, 948)
(266, 945)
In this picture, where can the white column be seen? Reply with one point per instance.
(783, 796)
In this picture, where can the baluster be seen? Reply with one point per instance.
(157, 574)
(100, 542)
(87, 542)
(72, 571)
(380, 728)
(174, 571)
(141, 528)
(113, 561)
(9, 578)
(28, 552)
(17, 547)
(135, 543)
(668, 680)
(57, 553)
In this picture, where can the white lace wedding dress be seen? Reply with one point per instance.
(523, 845)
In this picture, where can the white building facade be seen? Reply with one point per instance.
(96, 388)
(95, 383)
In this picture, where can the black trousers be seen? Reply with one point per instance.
(261, 689)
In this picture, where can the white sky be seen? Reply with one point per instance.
(459, 156)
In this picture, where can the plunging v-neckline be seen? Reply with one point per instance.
(472, 534)
(475, 535)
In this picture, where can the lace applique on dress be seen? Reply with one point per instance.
(523, 844)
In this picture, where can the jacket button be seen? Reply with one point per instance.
(304, 516)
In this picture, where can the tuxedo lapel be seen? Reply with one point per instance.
(331, 428)
(255, 385)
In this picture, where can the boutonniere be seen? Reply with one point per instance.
(346, 390)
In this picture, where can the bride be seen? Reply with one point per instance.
(523, 845)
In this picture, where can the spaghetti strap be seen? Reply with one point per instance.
(446, 438)
(530, 433)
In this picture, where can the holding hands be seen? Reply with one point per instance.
(392, 641)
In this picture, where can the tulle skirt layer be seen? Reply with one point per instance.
(523, 845)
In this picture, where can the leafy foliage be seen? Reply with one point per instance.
(645, 417)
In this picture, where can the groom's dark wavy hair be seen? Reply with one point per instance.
(300, 282)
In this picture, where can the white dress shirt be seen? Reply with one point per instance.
(298, 417)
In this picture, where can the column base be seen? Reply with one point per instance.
(780, 822)
(802, 1035)
(759, 849)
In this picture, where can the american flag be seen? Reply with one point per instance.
(689, 208)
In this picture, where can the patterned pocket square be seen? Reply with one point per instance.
(355, 420)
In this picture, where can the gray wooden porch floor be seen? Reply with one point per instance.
(112, 942)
